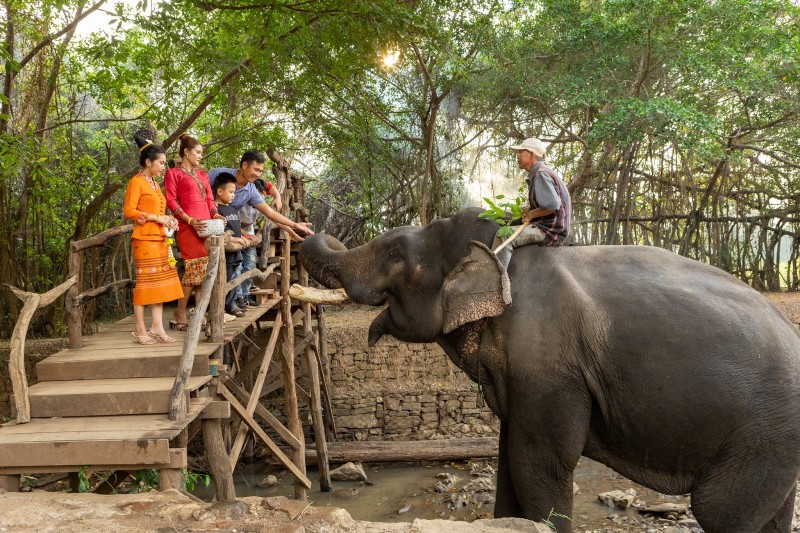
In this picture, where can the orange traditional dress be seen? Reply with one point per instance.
(156, 279)
(191, 195)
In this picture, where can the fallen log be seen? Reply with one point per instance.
(319, 296)
(408, 451)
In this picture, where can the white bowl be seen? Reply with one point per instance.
(213, 227)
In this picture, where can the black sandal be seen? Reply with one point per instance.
(178, 326)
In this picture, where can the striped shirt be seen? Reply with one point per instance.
(546, 189)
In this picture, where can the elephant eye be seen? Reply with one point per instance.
(395, 254)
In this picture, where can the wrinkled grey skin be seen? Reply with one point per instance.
(667, 370)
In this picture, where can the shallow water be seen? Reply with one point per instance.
(401, 492)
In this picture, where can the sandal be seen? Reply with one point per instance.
(178, 326)
(143, 339)
(235, 312)
(166, 339)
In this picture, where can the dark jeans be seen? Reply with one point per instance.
(232, 271)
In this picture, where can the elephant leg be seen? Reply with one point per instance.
(506, 503)
(764, 497)
(544, 445)
(782, 521)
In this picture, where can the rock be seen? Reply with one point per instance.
(446, 482)
(275, 502)
(575, 488)
(664, 508)
(349, 472)
(617, 498)
(481, 484)
(404, 509)
(514, 524)
(345, 494)
(481, 470)
(232, 510)
(269, 481)
(456, 501)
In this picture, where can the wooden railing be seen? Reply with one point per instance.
(76, 298)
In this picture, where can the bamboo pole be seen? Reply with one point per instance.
(513, 236)
(16, 360)
(325, 365)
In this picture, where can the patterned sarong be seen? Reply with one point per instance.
(156, 280)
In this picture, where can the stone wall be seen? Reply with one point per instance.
(396, 390)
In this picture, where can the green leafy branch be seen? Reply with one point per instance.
(504, 213)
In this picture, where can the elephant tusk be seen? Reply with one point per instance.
(318, 296)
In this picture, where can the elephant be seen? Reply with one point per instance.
(667, 370)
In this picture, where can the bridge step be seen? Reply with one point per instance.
(119, 362)
(105, 397)
(66, 444)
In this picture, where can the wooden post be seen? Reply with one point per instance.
(74, 310)
(218, 459)
(216, 308)
(287, 366)
(16, 360)
(325, 365)
(310, 360)
(177, 399)
(171, 478)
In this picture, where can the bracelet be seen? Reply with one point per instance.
(190, 221)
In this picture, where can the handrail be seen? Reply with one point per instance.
(177, 397)
(101, 238)
(16, 360)
(253, 273)
(75, 298)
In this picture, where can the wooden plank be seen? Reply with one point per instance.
(105, 396)
(298, 474)
(133, 452)
(177, 459)
(89, 425)
(233, 328)
(216, 409)
(122, 365)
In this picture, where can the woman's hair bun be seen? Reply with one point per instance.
(183, 136)
(140, 141)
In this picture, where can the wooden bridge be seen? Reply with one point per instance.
(108, 404)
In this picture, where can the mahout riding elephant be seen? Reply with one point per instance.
(667, 370)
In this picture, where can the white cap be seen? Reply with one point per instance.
(533, 145)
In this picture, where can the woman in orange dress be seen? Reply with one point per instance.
(191, 201)
(156, 278)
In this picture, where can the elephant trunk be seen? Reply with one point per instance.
(319, 256)
(329, 262)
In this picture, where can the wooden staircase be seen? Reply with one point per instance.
(104, 406)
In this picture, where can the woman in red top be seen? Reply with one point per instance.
(156, 279)
(191, 201)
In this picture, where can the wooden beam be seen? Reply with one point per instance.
(287, 366)
(316, 401)
(266, 357)
(266, 416)
(177, 402)
(16, 361)
(303, 344)
(216, 409)
(139, 452)
(423, 450)
(298, 474)
(9, 482)
(177, 459)
(321, 353)
(253, 273)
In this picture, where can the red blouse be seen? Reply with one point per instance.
(185, 194)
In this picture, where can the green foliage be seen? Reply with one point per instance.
(504, 214)
(145, 480)
(191, 479)
(84, 483)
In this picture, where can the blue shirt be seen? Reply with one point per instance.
(247, 195)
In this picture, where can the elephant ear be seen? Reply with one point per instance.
(476, 288)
